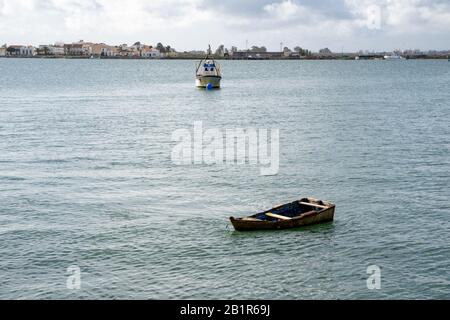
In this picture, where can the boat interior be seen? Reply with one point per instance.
(289, 211)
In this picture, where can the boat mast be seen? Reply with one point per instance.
(216, 70)
(208, 53)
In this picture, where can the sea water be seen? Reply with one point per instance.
(88, 188)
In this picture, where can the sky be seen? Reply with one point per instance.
(341, 25)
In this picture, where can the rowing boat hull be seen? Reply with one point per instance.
(323, 216)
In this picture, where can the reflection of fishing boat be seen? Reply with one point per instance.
(297, 214)
(208, 74)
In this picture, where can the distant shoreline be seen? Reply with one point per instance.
(340, 58)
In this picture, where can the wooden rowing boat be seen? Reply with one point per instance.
(305, 212)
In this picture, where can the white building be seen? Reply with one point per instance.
(57, 51)
(3, 51)
(108, 51)
(126, 51)
(151, 53)
(21, 51)
(52, 50)
(78, 49)
(27, 51)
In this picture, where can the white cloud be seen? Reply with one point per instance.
(285, 10)
(407, 16)
(189, 24)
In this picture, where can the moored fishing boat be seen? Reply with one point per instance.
(393, 57)
(208, 74)
(307, 211)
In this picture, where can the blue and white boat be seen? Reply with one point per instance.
(208, 74)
